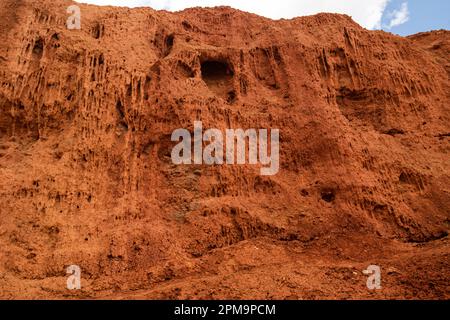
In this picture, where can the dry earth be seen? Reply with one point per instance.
(86, 178)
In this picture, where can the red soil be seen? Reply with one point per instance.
(86, 176)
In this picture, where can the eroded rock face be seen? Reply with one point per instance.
(86, 118)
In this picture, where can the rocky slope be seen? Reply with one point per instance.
(86, 178)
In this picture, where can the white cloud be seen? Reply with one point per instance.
(399, 16)
(368, 13)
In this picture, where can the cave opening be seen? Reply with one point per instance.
(218, 76)
(216, 71)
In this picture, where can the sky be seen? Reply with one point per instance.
(403, 17)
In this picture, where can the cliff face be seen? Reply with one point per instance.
(86, 178)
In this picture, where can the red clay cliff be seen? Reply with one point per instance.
(86, 176)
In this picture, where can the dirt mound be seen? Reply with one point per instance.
(86, 118)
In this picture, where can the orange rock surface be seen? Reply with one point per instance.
(86, 178)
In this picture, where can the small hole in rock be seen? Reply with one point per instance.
(168, 45)
(38, 48)
(328, 195)
(231, 97)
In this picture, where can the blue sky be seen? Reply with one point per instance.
(424, 15)
(402, 17)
